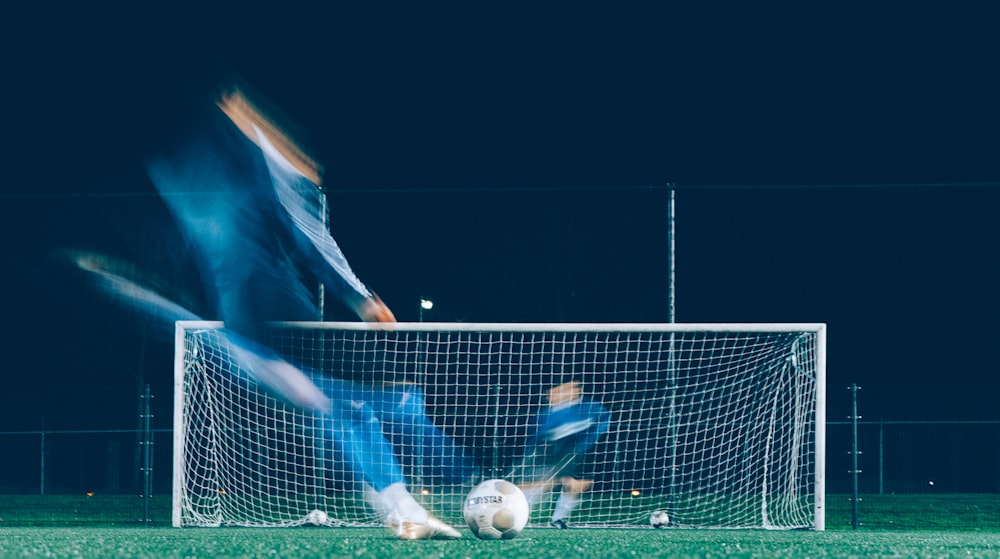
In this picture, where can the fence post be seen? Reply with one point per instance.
(41, 467)
(881, 456)
(854, 456)
(147, 455)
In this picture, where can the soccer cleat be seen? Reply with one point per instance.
(432, 528)
(561, 524)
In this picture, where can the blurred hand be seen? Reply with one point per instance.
(566, 394)
(572, 485)
(374, 310)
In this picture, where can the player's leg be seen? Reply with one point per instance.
(402, 411)
(570, 491)
(354, 429)
(284, 380)
(357, 432)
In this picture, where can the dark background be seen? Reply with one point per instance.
(834, 163)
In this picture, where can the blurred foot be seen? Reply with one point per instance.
(561, 524)
(427, 529)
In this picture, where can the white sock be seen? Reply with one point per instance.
(401, 504)
(565, 505)
(377, 502)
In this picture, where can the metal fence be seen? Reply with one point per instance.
(65, 462)
(893, 457)
(915, 457)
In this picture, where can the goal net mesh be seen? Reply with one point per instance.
(717, 426)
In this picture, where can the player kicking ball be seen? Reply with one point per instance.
(565, 430)
(245, 196)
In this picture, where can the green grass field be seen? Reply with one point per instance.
(301, 543)
(893, 526)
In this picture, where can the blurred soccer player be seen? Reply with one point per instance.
(246, 197)
(567, 427)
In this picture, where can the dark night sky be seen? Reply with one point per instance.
(486, 155)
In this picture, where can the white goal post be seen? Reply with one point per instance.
(719, 425)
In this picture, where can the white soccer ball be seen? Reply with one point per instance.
(659, 519)
(496, 509)
(317, 518)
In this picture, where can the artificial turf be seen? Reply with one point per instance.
(301, 543)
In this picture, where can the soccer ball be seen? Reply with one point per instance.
(496, 509)
(317, 518)
(659, 519)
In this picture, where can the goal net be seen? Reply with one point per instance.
(721, 426)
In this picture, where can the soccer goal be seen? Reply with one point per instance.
(719, 425)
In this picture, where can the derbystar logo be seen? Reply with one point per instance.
(485, 500)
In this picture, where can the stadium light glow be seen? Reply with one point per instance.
(426, 304)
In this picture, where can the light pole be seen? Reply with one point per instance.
(425, 305)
